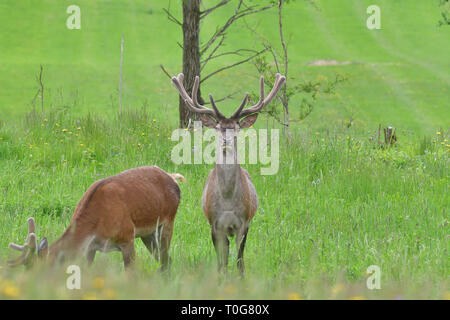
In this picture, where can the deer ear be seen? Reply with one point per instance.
(248, 121)
(43, 244)
(43, 247)
(208, 121)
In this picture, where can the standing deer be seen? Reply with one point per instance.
(140, 202)
(229, 198)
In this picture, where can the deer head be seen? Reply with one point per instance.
(30, 249)
(227, 128)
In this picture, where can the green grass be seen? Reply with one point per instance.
(338, 203)
(403, 79)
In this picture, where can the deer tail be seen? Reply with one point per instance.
(176, 176)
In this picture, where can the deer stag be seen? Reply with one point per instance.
(229, 198)
(140, 202)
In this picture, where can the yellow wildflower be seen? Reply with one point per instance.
(294, 296)
(357, 298)
(109, 294)
(98, 283)
(230, 289)
(438, 133)
(89, 296)
(9, 290)
(337, 289)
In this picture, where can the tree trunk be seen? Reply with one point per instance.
(191, 55)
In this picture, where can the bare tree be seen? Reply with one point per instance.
(197, 56)
(120, 78)
(280, 66)
(445, 13)
(40, 91)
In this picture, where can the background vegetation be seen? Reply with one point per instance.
(339, 202)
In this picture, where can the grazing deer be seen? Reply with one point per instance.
(140, 202)
(229, 198)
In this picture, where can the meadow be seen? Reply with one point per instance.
(339, 203)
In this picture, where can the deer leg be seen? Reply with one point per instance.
(128, 254)
(90, 256)
(165, 238)
(221, 244)
(152, 242)
(241, 239)
(152, 246)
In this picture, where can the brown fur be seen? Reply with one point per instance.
(116, 210)
(229, 198)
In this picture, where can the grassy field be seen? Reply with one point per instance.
(338, 204)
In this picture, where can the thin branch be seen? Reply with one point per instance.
(285, 101)
(226, 97)
(233, 65)
(211, 54)
(236, 52)
(238, 14)
(120, 78)
(165, 71)
(274, 54)
(208, 11)
(172, 18)
(280, 20)
(222, 30)
(42, 89)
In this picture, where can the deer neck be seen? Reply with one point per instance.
(229, 174)
(66, 246)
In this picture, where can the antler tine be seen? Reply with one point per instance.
(279, 81)
(219, 114)
(28, 248)
(17, 261)
(31, 225)
(192, 104)
(16, 246)
(238, 110)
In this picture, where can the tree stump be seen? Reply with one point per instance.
(389, 136)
